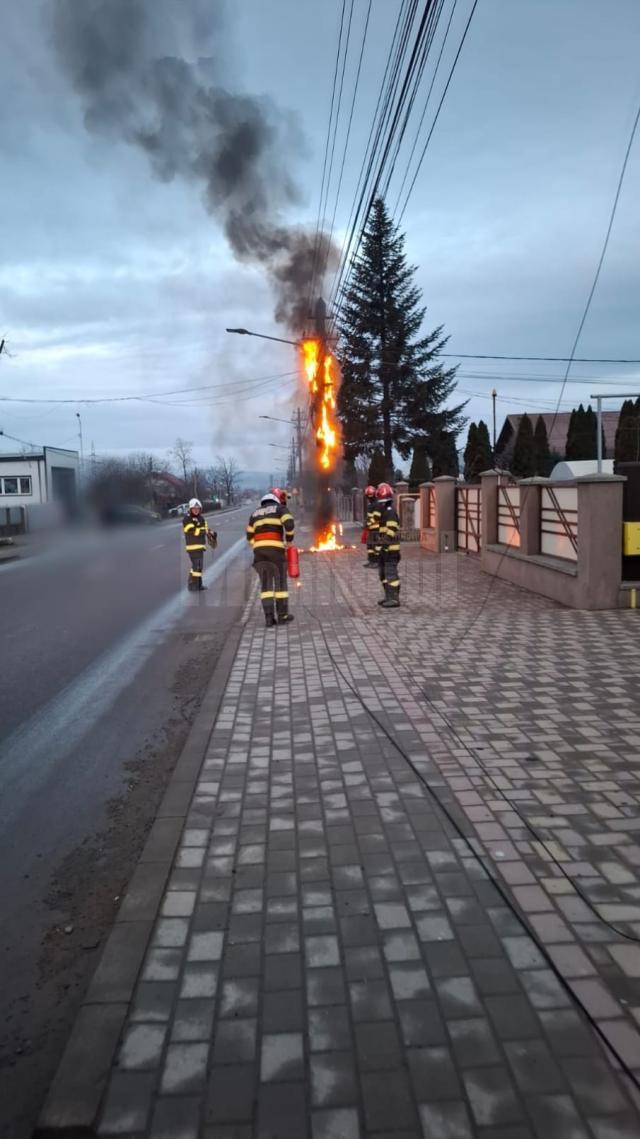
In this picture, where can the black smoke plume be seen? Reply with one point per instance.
(132, 63)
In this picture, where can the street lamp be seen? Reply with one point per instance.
(263, 336)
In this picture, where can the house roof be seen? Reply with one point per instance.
(557, 427)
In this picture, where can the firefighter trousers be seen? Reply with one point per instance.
(372, 547)
(196, 558)
(271, 567)
(388, 570)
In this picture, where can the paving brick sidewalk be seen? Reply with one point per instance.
(330, 960)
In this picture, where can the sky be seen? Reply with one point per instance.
(118, 282)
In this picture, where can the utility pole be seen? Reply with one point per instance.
(81, 444)
(297, 422)
(493, 400)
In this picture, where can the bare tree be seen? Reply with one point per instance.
(228, 474)
(181, 454)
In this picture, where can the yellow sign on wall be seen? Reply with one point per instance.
(631, 539)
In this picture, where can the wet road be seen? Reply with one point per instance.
(104, 659)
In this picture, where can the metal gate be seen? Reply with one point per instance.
(469, 515)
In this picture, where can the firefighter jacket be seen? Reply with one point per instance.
(389, 529)
(270, 527)
(195, 531)
(373, 515)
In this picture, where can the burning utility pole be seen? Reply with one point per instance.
(321, 370)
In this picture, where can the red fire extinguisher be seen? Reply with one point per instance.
(293, 561)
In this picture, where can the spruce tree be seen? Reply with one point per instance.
(523, 451)
(470, 453)
(541, 449)
(572, 444)
(484, 451)
(444, 456)
(420, 470)
(625, 451)
(394, 389)
(377, 469)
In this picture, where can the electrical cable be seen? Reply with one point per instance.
(348, 134)
(605, 246)
(486, 867)
(544, 359)
(439, 108)
(326, 155)
(386, 94)
(391, 133)
(230, 388)
(424, 111)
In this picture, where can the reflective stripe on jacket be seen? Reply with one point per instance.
(195, 531)
(389, 529)
(270, 527)
(373, 515)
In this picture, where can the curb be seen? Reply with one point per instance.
(74, 1097)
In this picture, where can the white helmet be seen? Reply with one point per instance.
(194, 502)
(269, 497)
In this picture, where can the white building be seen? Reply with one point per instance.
(39, 477)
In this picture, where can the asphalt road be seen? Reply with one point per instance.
(105, 656)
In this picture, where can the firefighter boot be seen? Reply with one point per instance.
(392, 599)
(282, 609)
(269, 620)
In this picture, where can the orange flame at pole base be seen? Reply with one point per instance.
(327, 541)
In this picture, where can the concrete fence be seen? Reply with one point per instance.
(563, 540)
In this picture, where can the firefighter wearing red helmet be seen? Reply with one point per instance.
(372, 522)
(388, 546)
(269, 532)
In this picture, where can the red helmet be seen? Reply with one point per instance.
(281, 495)
(370, 492)
(384, 491)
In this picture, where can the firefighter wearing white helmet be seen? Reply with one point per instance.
(197, 535)
(269, 532)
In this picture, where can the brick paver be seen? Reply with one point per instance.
(331, 961)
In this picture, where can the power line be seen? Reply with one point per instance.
(439, 108)
(348, 133)
(605, 245)
(544, 359)
(384, 103)
(316, 244)
(234, 391)
(424, 110)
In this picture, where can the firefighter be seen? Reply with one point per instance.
(388, 546)
(372, 522)
(270, 531)
(196, 535)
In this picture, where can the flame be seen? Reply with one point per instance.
(311, 357)
(327, 540)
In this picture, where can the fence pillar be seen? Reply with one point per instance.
(399, 489)
(489, 482)
(424, 505)
(530, 501)
(445, 488)
(599, 540)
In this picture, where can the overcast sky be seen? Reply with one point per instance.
(116, 283)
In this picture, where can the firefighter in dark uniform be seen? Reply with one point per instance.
(372, 522)
(197, 535)
(270, 531)
(388, 547)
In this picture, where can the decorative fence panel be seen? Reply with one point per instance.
(409, 512)
(509, 516)
(559, 522)
(469, 513)
(430, 521)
